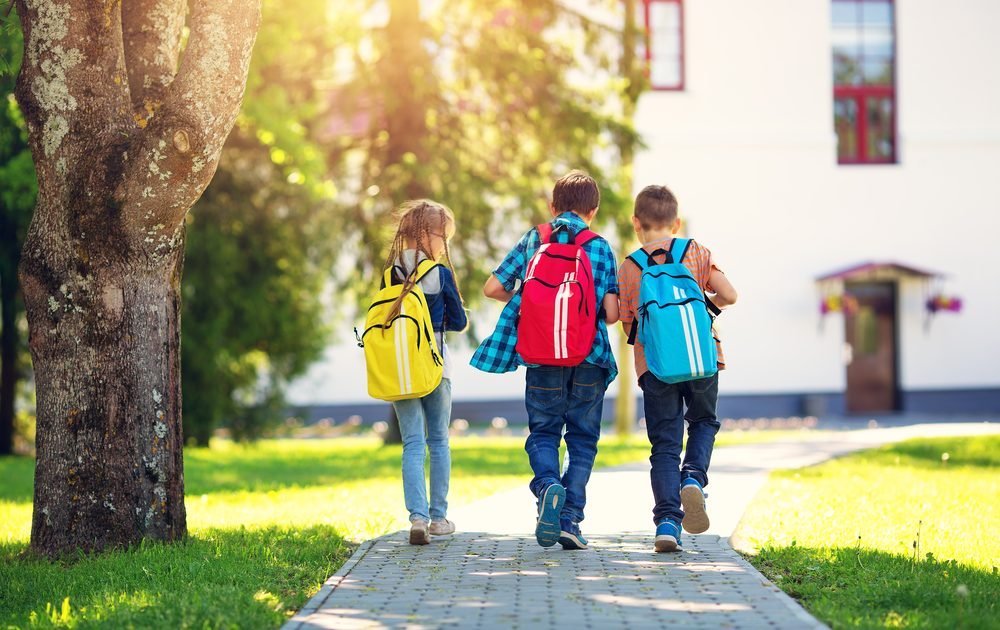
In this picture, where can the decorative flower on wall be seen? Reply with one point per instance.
(838, 303)
(940, 302)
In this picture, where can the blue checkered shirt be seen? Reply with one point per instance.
(496, 353)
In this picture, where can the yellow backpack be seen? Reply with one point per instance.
(401, 354)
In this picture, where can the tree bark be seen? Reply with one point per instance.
(102, 262)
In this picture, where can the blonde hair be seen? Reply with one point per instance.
(419, 220)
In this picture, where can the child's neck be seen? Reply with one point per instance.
(650, 236)
(588, 217)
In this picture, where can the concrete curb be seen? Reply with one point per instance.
(331, 584)
(794, 607)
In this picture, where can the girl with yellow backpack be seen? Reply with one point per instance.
(407, 359)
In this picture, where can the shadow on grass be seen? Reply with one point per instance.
(218, 578)
(265, 468)
(847, 587)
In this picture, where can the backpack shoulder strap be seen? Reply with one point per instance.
(584, 236)
(544, 232)
(635, 257)
(423, 268)
(679, 249)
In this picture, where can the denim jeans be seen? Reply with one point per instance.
(664, 404)
(434, 410)
(570, 398)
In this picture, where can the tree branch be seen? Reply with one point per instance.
(174, 159)
(72, 76)
(152, 34)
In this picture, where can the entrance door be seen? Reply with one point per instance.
(872, 379)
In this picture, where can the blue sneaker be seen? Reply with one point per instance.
(570, 536)
(693, 501)
(668, 536)
(550, 507)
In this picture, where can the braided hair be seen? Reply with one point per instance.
(419, 221)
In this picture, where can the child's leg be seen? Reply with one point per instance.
(583, 429)
(665, 427)
(437, 408)
(701, 397)
(411, 426)
(545, 399)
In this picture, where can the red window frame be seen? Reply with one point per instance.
(860, 95)
(681, 60)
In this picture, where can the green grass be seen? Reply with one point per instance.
(903, 536)
(268, 524)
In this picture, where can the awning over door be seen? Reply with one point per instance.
(877, 271)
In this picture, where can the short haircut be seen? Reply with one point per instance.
(575, 191)
(655, 207)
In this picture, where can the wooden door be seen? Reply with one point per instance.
(872, 373)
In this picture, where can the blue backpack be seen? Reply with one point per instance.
(672, 320)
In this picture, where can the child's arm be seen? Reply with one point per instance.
(725, 293)
(455, 317)
(610, 306)
(494, 290)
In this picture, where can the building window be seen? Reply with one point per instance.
(665, 49)
(864, 81)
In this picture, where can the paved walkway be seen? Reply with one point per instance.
(492, 574)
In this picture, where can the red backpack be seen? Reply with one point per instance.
(558, 319)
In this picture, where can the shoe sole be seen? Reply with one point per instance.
(569, 541)
(448, 533)
(547, 529)
(418, 537)
(665, 543)
(695, 517)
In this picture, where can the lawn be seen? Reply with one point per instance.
(903, 536)
(268, 524)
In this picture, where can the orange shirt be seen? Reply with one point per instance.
(699, 262)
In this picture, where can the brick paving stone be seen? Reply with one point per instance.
(492, 574)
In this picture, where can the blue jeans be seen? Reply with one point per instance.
(664, 405)
(434, 409)
(558, 397)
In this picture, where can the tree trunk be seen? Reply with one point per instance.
(118, 170)
(625, 403)
(8, 364)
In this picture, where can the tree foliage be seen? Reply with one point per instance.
(261, 239)
(18, 189)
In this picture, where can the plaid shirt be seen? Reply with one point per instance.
(497, 352)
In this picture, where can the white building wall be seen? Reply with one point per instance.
(749, 149)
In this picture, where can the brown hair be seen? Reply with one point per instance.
(575, 191)
(417, 221)
(655, 207)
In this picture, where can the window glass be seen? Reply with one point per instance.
(845, 111)
(666, 44)
(880, 124)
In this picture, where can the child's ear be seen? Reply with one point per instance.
(636, 225)
(676, 227)
(552, 209)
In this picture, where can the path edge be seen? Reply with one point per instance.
(794, 607)
(329, 586)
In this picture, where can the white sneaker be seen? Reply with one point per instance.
(442, 527)
(419, 534)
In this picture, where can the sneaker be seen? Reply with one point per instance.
(668, 536)
(570, 536)
(419, 533)
(442, 527)
(550, 507)
(693, 501)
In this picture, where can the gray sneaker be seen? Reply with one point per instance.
(442, 527)
(419, 534)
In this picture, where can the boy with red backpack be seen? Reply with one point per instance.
(561, 288)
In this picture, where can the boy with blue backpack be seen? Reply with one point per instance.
(670, 292)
